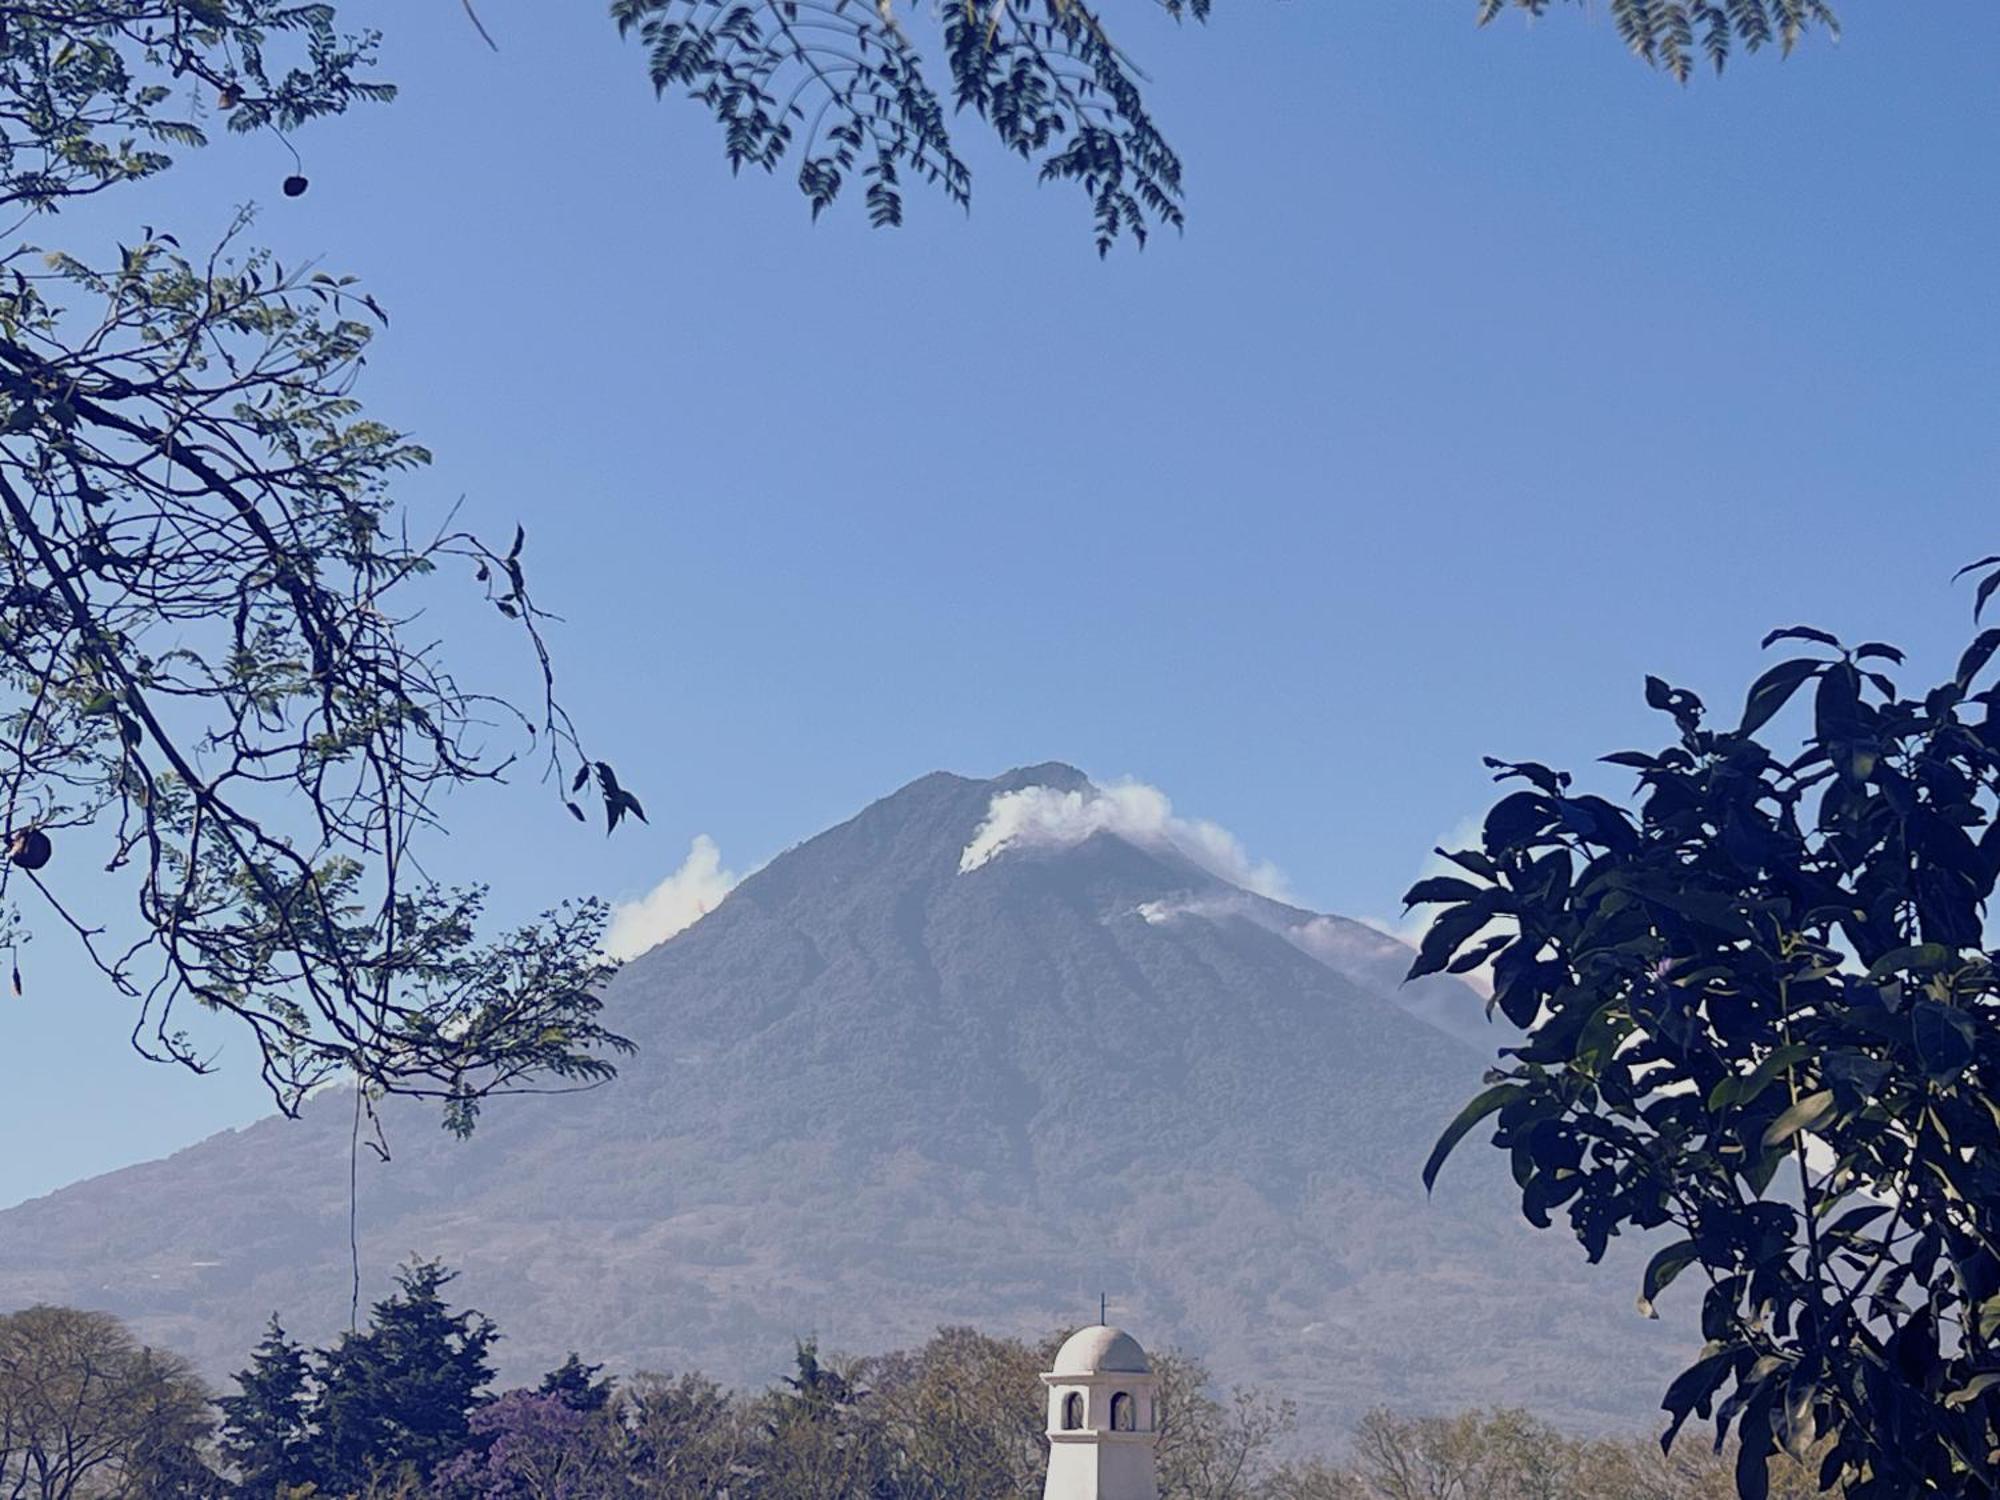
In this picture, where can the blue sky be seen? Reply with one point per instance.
(1492, 373)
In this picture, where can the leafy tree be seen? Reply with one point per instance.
(394, 1401)
(576, 1385)
(1759, 1016)
(1512, 1455)
(1317, 1479)
(529, 1445)
(93, 90)
(1641, 1470)
(1212, 1447)
(264, 1425)
(1503, 1455)
(841, 89)
(684, 1438)
(208, 684)
(820, 1441)
(960, 1418)
(85, 1410)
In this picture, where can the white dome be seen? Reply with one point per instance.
(1099, 1350)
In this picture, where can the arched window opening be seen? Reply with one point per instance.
(1121, 1413)
(1072, 1412)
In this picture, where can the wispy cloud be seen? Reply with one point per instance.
(1336, 942)
(672, 906)
(1044, 817)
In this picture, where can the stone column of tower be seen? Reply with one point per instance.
(1103, 1419)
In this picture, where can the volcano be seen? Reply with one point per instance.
(906, 1076)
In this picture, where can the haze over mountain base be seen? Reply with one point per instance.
(896, 1081)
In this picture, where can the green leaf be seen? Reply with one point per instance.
(1989, 1318)
(1665, 1265)
(1807, 1114)
(1742, 1088)
(1769, 693)
(1796, 1428)
(1694, 1388)
(1515, 819)
(1978, 653)
(1850, 1224)
(1973, 567)
(1706, 907)
(1758, 1174)
(1880, 649)
(1944, 1038)
(1449, 931)
(1439, 888)
(1986, 587)
(1966, 1394)
(1638, 760)
(1488, 1102)
(1917, 956)
(1801, 633)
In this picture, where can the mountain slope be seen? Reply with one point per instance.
(876, 1093)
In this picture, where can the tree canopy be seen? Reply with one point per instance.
(86, 1414)
(85, 1410)
(211, 682)
(837, 89)
(1761, 1019)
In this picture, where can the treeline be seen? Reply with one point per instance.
(403, 1410)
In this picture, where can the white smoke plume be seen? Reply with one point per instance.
(1343, 945)
(1337, 944)
(1043, 817)
(672, 906)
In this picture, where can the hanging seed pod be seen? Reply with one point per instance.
(295, 185)
(30, 849)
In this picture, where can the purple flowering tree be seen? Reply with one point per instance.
(531, 1446)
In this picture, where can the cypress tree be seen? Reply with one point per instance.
(576, 1385)
(264, 1427)
(393, 1400)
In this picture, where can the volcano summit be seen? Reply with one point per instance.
(962, 1059)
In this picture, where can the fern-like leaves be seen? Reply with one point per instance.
(841, 88)
(1673, 35)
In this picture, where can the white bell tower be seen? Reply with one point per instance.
(1103, 1419)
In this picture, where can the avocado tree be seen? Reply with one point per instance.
(1761, 1020)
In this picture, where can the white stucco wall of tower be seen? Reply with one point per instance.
(1100, 1448)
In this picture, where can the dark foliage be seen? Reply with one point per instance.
(960, 1417)
(526, 1445)
(87, 1412)
(577, 1385)
(211, 683)
(93, 93)
(1761, 1015)
(264, 1423)
(396, 1398)
(843, 87)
